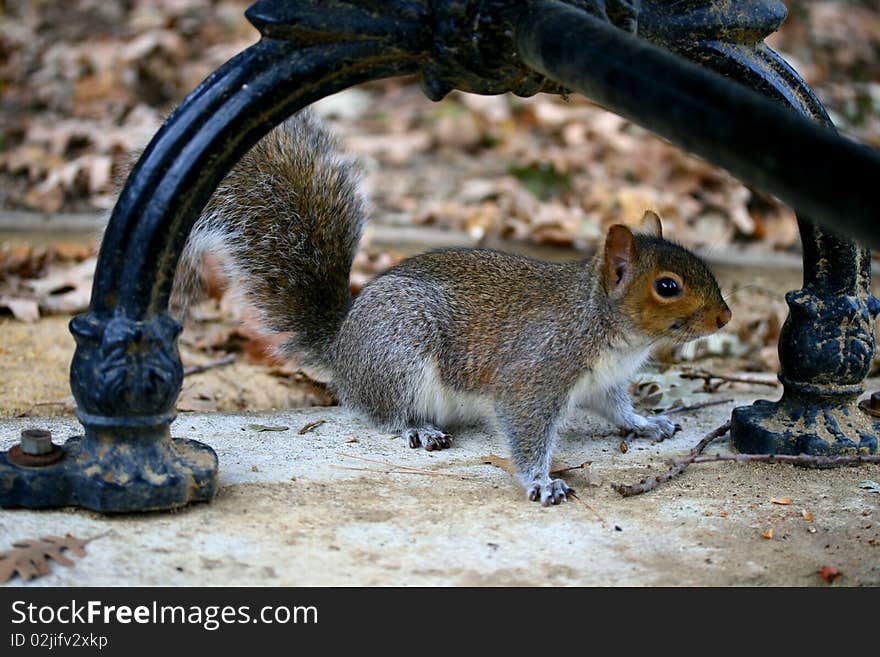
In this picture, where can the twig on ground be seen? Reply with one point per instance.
(678, 466)
(59, 402)
(311, 425)
(707, 377)
(696, 407)
(592, 510)
(214, 364)
(398, 466)
(569, 468)
(401, 471)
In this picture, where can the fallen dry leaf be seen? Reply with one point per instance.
(30, 558)
(499, 462)
(768, 534)
(266, 427)
(23, 260)
(807, 515)
(785, 501)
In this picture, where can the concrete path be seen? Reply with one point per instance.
(295, 510)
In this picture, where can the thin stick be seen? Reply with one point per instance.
(727, 378)
(595, 513)
(696, 407)
(569, 468)
(397, 466)
(311, 425)
(399, 471)
(678, 466)
(798, 459)
(221, 362)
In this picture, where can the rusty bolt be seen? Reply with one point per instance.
(872, 405)
(35, 450)
(35, 442)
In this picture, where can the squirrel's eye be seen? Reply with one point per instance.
(667, 287)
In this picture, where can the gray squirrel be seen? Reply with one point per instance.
(453, 336)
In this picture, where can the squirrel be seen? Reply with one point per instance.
(453, 336)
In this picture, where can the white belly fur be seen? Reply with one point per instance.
(446, 408)
(611, 369)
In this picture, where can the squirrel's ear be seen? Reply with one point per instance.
(619, 251)
(651, 224)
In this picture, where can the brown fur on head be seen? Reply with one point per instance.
(666, 290)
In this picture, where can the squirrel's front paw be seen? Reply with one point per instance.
(554, 491)
(656, 427)
(428, 437)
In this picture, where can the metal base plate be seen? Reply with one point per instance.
(114, 477)
(789, 426)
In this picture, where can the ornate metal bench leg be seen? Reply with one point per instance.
(126, 373)
(826, 345)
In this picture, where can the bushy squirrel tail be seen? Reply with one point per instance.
(284, 225)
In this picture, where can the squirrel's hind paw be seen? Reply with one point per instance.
(555, 491)
(428, 437)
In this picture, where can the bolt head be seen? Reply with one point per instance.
(875, 401)
(35, 442)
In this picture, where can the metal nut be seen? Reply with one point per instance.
(35, 450)
(35, 442)
(871, 406)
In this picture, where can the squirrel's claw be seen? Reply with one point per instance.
(554, 492)
(428, 437)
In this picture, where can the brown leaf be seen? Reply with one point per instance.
(785, 501)
(500, 462)
(30, 558)
(808, 516)
(768, 534)
(23, 260)
(76, 251)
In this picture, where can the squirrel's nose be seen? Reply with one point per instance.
(723, 317)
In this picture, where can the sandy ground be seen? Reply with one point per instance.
(289, 512)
